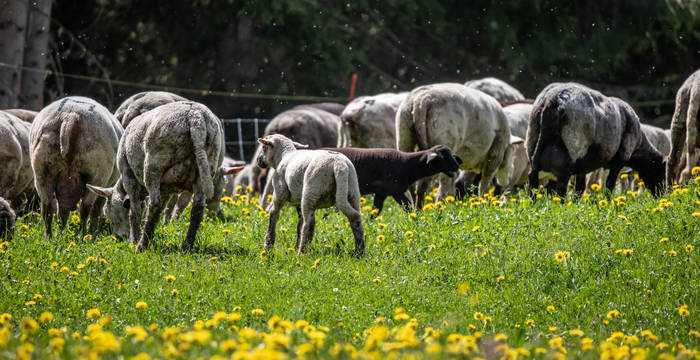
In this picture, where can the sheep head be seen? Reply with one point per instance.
(7, 220)
(274, 147)
(441, 159)
(116, 208)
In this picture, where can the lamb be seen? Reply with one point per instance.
(16, 177)
(138, 104)
(368, 121)
(684, 131)
(468, 121)
(310, 179)
(174, 148)
(306, 124)
(24, 115)
(7, 220)
(574, 130)
(496, 88)
(73, 141)
(389, 172)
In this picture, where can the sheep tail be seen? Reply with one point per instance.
(420, 117)
(346, 187)
(550, 118)
(68, 135)
(198, 133)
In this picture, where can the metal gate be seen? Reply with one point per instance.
(241, 136)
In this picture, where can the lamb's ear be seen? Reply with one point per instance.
(231, 170)
(126, 203)
(514, 140)
(265, 142)
(458, 159)
(299, 146)
(100, 191)
(431, 157)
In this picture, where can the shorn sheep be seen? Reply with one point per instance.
(138, 104)
(16, 177)
(468, 121)
(310, 179)
(574, 130)
(369, 121)
(7, 220)
(684, 131)
(497, 88)
(174, 148)
(73, 142)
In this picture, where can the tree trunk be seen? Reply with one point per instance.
(13, 21)
(35, 55)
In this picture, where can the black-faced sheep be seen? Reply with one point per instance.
(174, 148)
(138, 104)
(497, 88)
(16, 177)
(389, 172)
(73, 142)
(369, 121)
(684, 131)
(7, 220)
(468, 121)
(310, 179)
(574, 130)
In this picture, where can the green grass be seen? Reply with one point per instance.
(492, 259)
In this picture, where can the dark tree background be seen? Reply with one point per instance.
(638, 50)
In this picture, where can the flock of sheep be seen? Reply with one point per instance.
(162, 151)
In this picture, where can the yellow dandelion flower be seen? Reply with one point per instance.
(316, 262)
(257, 311)
(663, 239)
(612, 314)
(595, 187)
(603, 203)
(174, 292)
(54, 265)
(500, 278)
(559, 256)
(65, 270)
(262, 255)
(476, 228)
(500, 337)
(377, 280)
(530, 323)
(696, 214)
(380, 238)
(141, 305)
(478, 316)
(553, 328)
(576, 332)
(550, 308)
(30, 303)
(683, 311)
(45, 317)
(169, 277)
(689, 248)
(695, 170)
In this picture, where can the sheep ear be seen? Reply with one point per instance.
(100, 191)
(432, 156)
(231, 170)
(299, 146)
(265, 142)
(458, 159)
(516, 140)
(126, 203)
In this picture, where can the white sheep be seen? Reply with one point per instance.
(468, 121)
(497, 88)
(174, 148)
(73, 142)
(16, 177)
(684, 131)
(310, 179)
(368, 121)
(138, 104)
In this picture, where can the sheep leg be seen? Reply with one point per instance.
(85, 211)
(378, 203)
(299, 223)
(446, 188)
(196, 216)
(402, 200)
(612, 175)
(307, 230)
(272, 225)
(182, 200)
(47, 210)
(63, 213)
(351, 209)
(580, 184)
(170, 207)
(421, 189)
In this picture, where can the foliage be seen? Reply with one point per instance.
(609, 276)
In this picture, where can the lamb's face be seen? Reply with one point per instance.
(116, 208)
(442, 159)
(7, 221)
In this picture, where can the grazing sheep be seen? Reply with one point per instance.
(138, 104)
(73, 142)
(24, 115)
(684, 131)
(518, 115)
(574, 130)
(331, 107)
(174, 148)
(389, 172)
(310, 179)
(16, 177)
(468, 121)
(496, 88)
(369, 121)
(306, 124)
(7, 220)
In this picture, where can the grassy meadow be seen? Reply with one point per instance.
(602, 276)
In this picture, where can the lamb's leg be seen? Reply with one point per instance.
(85, 210)
(402, 200)
(612, 176)
(47, 210)
(155, 206)
(351, 209)
(308, 213)
(446, 188)
(580, 185)
(135, 212)
(299, 223)
(181, 203)
(196, 216)
(272, 225)
(170, 207)
(421, 189)
(378, 203)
